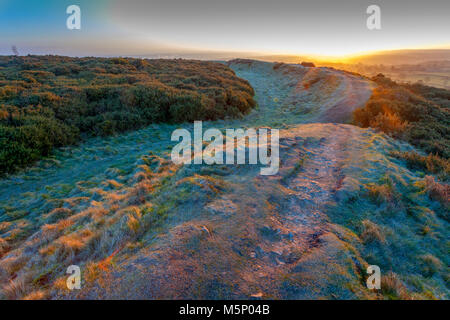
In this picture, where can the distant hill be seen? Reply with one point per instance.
(393, 57)
(403, 57)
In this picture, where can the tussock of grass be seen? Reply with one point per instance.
(437, 191)
(371, 232)
(430, 264)
(431, 163)
(417, 114)
(36, 295)
(133, 220)
(389, 122)
(393, 288)
(385, 194)
(15, 289)
(57, 214)
(14, 264)
(380, 193)
(4, 247)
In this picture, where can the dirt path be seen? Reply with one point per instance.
(353, 94)
(261, 237)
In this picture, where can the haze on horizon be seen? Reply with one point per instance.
(221, 28)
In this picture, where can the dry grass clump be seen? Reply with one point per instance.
(36, 295)
(12, 265)
(389, 122)
(393, 288)
(138, 195)
(430, 264)
(92, 272)
(66, 247)
(75, 241)
(97, 212)
(75, 201)
(4, 247)
(57, 214)
(60, 284)
(385, 194)
(4, 226)
(371, 232)
(437, 191)
(418, 115)
(90, 233)
(51, 231)
(113, 184)
(14, 289)
(133, 222)
(380, 193)
(209, 184)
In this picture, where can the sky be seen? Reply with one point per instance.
(150, 27)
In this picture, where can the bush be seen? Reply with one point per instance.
(417, 114)
(389, 122)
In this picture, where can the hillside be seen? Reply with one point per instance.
(430, 67)
(141, 227)
(48, 102)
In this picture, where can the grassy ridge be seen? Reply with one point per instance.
(51, 101)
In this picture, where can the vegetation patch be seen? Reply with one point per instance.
(48, 102)
(430, 163)
(416, 113)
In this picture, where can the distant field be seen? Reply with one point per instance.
(434, 79)
(52, 101)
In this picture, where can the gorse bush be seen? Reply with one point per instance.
(416, 113)
(51, 101)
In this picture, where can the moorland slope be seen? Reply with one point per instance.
(48, 102)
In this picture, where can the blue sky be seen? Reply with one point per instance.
(37, 18)
(141, 27)
(37, 26)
